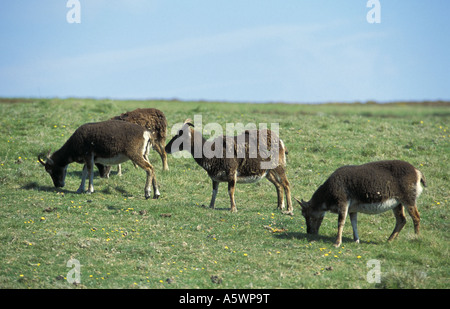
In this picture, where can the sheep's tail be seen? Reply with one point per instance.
(283, 153)
(422, 179)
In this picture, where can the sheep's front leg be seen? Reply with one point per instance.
(354, 221)
(83, 180)
(342, 215)
(215, 185)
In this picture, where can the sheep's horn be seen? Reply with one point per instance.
(40, 161)
(188, 122)
(302, 203)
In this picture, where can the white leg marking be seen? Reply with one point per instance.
(91, 175)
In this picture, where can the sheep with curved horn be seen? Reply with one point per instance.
(237, 159)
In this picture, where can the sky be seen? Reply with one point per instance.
(293, 51)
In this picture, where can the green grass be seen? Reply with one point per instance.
(124, 241)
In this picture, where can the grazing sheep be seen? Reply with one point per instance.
(154, 121)
(238, 159)
(108, 143)
(370, 188)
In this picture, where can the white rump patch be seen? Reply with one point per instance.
(146, 146)
(419, 188)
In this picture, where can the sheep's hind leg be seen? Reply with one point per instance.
(400, 221)
(281, 183)
(414, 213)
(151, 177)
(275, 180)
(159, 147)
(287, 190)
(231, 189)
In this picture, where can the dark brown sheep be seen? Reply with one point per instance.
(154, 121)
(370, 188)
(107, 143)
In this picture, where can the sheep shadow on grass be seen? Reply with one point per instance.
(311, 237)
(34, 186)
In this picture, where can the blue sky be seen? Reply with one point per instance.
(244, 51)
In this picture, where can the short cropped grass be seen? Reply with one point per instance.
(122, 240)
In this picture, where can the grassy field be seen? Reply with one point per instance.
(122, 240)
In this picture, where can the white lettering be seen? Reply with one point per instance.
(74, 275)
(374, 15)
(374, 275)
(74, 14)
(192, 299)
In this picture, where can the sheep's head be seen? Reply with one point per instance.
(182, 140)
(312, 217)
(58, 173)
(103, 170)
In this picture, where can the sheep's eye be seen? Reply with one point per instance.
(180, 132)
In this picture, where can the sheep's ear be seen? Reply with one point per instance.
(189, 122)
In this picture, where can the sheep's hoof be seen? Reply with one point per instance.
(155, 197)
(290, 213)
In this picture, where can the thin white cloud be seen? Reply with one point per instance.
(295, 63)
(157, 54)
(222, 43)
